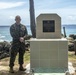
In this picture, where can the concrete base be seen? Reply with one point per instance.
(50, 71)
(49, 53)
(70, 71)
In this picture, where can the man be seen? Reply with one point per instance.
(18, 33)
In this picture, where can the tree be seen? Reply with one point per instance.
(32, 19)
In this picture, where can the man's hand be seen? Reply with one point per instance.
(21, 39)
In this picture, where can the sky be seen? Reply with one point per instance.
(66, 9)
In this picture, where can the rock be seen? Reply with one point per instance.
(4, 49)
(4, 55)
(27, 68)
(71, 43)
(75, 69)
(72, 36)
(7, 46)
(71, 68)
(70, 40)
(71, 46)
(28, 37)
(27, 43)
(75, 46)
(67, 73)
(1, 48)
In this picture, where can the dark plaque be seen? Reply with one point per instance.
(48, 26)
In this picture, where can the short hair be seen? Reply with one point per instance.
(17, 17)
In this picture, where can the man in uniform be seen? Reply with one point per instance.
(18, 33)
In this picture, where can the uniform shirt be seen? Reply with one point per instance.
(18, 31)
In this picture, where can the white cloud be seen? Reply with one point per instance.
(72, 17)
(5, 5)
(12, 17)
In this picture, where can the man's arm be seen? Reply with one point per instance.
(26, 33)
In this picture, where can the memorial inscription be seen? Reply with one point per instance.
(48, 26)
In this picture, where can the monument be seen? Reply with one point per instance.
(48, 50)
(48, 26)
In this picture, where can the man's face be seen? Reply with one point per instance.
(18, 19)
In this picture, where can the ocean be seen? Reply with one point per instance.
(70, 29)
(5, 34)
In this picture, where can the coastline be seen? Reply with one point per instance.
(5, 34)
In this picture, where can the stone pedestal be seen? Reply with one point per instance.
(49, 53)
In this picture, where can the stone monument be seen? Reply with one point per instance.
(48, 50)
(48, 26)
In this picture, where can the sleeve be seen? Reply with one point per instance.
(26, 37)
(26, 33)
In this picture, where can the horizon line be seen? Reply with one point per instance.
(29, 25)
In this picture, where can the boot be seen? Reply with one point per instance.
(21, 68)
(11, 70)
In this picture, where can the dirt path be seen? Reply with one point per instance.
(4, 68)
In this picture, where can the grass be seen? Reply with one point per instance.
(4, 63)
(72, 58)
(26, 58)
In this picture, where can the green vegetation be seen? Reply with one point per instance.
(72, 58)
(5, 62)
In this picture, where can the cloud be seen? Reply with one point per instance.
(12, 17)
(72, 17)
(6, 5)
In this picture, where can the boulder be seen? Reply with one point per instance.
(27, 43)
(70, 40)
(71, 46)
(75, 46)
(4, 49)
(72, 36)
(1, 48)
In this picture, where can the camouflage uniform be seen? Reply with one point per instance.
(16, 32)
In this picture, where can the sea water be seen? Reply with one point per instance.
(5, 31)
(70, 29)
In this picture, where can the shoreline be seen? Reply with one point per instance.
(5, 34)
